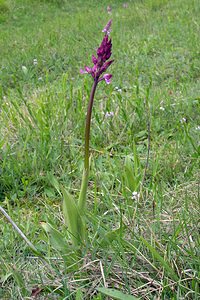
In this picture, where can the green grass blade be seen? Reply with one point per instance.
(115, 294)
(54, 182)
(129, 174)
(163, 262)
(109, 237)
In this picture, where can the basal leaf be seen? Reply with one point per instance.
(73, 218)
(56, 238)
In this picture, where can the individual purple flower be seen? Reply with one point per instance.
(106, 77)
(101, 60)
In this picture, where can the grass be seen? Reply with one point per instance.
(153, 252)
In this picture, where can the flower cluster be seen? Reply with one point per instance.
(101, 60)
(135, 196)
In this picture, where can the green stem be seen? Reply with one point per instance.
(84, 184)
(87, 125)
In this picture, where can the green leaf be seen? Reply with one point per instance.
(56, 239)
(49, 192)
(54, 182)
(73, 218)
(142, 135)
(115, 294)
(165, 264)
(129, 174)
(109, 237)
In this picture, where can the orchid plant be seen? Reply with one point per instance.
(74, 213)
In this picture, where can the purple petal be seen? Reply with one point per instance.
(88, 70)
(107, 78)
(106, 65)
(94, 68)
(82, 71)
(94, 60)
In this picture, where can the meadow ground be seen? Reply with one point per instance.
(149, 113)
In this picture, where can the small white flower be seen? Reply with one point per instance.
(125, 5)
(198, 127)
(24, 69)
(109, 114)
(40, 78)
(162, 108)
(183, 120)
(35, 62)
(135, 195)
(191, 239)
(117, 89)
(109, 9)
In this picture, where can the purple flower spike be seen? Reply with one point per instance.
(101, 60)
(107, 29)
